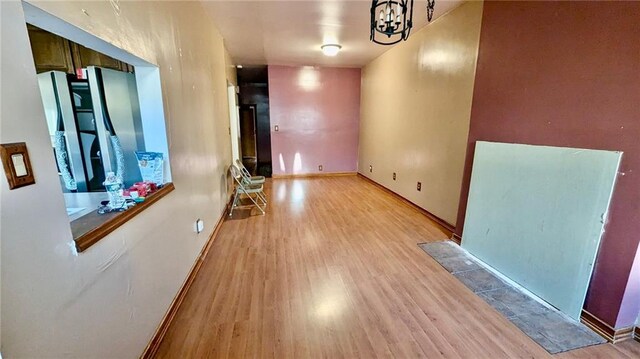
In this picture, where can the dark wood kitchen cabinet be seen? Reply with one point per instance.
(84, 57)
(52, 52)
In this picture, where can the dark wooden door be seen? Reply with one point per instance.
(248, 130)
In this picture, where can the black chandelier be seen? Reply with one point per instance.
(393, 23)
(431, 5)
(391, 20)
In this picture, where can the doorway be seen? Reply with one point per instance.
(253, 118)
(248, 125)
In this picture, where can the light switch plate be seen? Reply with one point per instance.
(16, 164)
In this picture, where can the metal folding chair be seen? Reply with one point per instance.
(247, 189)
(251, 180)
(247, 176)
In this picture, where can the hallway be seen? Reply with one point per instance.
(333, 270)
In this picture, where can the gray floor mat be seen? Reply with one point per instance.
(549, 328)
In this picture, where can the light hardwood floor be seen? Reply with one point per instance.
(333, 270)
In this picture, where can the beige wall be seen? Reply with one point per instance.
(415, 110)
(108, 300)
(232, 77)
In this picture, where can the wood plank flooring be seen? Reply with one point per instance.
(333, 271)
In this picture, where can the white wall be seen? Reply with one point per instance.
(108, 300)
(415, 111)
(234, 125)
(154, 127)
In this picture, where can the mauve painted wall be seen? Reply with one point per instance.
(317, 111)
(630, 307)
(568, 74)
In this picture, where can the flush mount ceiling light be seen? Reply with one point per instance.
(392, 20)
(330, 49)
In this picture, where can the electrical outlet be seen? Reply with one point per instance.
(320, 168)
(199, 225)
(419, 187)
(370, 168)
(394, 176)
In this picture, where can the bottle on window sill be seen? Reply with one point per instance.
(114, 187)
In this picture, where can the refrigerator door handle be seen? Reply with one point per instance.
(66, 139)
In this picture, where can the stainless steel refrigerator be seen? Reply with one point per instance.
(90, 121)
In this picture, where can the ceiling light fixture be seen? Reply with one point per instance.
(394, 19)
(330, 49)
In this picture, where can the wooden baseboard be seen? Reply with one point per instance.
(311, 175)
(605, 330)
(636, 334)
(456, 238)
(153, 346)
(448, 227)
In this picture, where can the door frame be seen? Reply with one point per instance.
(234, 122)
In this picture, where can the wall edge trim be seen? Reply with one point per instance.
(439, 221)
(605, 330)
(154, 344)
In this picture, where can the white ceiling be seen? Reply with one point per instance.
(291, 32)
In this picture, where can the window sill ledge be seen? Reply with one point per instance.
(89, 229)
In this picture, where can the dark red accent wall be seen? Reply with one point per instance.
(567, 74)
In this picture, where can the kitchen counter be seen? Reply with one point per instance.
(80, 204)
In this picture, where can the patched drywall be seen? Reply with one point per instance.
(415, 110)
(535, 213)
(108, 300)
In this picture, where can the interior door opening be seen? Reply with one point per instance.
(248, 137)
(253, 99)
